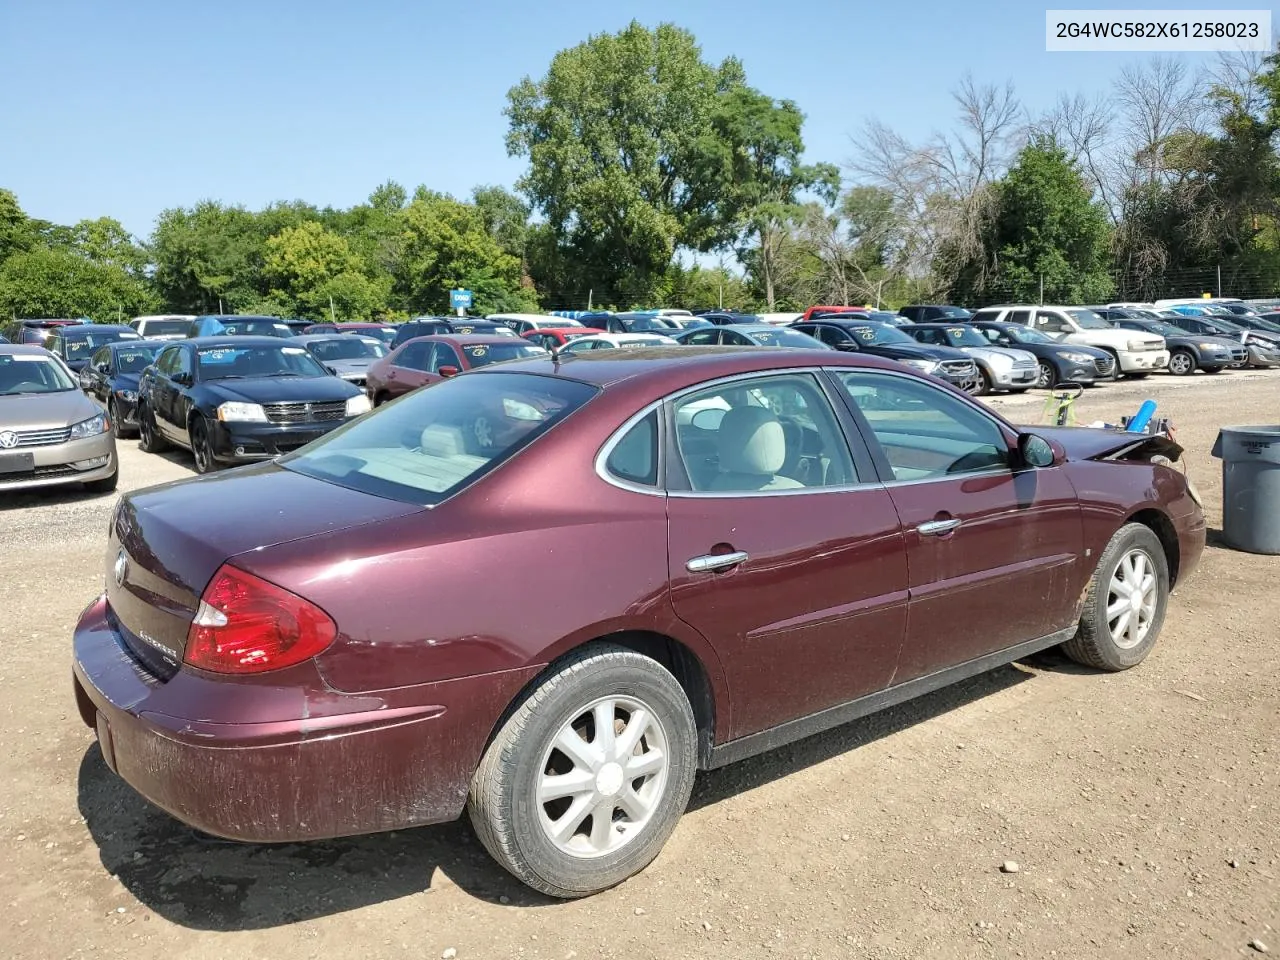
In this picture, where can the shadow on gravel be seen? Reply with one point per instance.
(208, 884)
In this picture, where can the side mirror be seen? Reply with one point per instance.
(1036, 451)
(448, 370)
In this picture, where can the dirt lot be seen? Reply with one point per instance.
(1142, 808)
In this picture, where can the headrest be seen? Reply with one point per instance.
(438, 440)
(751, 441)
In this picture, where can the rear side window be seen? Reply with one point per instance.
(635, 457)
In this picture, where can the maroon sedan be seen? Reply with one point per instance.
(778, 541)
(427, 360)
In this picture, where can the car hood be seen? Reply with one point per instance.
(344, 368)
(1002, 355)
(282, 389)
(45, 411)
(1091, 443)
(917, 351)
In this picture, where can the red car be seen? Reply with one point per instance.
(818, 311)
(553, 338)
(426, 360)
(777, 542)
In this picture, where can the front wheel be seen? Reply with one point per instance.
(1213, 369)
(1125, 602)
(1048, 376)
(1182, 363)
(584, 783)
(981, 384)
(149, 438)
(202, 447)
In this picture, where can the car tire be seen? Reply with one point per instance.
(105, 485)
(114, 417)
(981, 385)
(1047, 378)
(522, 763)
(1213, 369)
(1182, 363)
(201, 446)
(1111, 637)
(149, 439)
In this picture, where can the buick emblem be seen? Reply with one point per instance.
(8, 439)
(121, 568)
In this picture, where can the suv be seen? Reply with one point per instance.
(926, 312)
(1137, 354)
(169, 326)
(34, 332)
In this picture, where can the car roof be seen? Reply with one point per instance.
(468, 339)
(96, 328)
(630, 337)
(26, 349)
(849, 319)
(139, 342)
(239, 340)
(314, 337)
(750, 327)
(941, 324)
(671, 367)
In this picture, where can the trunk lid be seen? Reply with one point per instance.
(1092, 443)
(167, 542)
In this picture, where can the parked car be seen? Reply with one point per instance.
(999, 368)
(927, 312)
(297, 324)
(436, 326)
(50, 432)
(885, 316)
(820, 310)
(34, 332)
(522, 323)
(1268, 326)
(634, 323)
(111, 377)
(428, 360)
(238, 325)
(1232, 305)
(819, 544)
(883, 340)
(554, 338)
(613, 341)
(1264, 348)
(682, 322)
(385, 333)
(1057, 362)
(345, 355)
(74, 344)
(240, 398)
(1188, 352)
(749, 335)
(1136, 354)
(166, 326)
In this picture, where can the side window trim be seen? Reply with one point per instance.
(606, 451)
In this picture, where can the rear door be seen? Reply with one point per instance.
(993, 547)
(782, 552)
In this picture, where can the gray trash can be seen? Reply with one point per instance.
(1250, 487)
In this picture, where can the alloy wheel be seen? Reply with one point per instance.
(603, 777)
(114, 416)
(1180, 364)
(1131, 599)
(1047, 375)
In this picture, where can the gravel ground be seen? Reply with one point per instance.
(1140, 809)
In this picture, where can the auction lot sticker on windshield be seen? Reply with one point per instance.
(1156, 31)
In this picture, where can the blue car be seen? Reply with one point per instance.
(220, 325)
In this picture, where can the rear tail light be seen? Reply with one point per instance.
(247, 625)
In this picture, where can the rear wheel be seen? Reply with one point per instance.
(1213, 369)
(149, 438)
(1048, 375)
(1182, 363)
(585, 781)
(202, 446)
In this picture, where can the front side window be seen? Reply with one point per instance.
(436, 442)
(444, 356)
(925, 433)
(1050, 322)
(414, 356)
(704, 338)
(168, 362)
(761, 435)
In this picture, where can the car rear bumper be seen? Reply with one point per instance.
(76, 461)
(246, 442)
(310, 763)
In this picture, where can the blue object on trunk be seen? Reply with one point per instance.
(1143, 417)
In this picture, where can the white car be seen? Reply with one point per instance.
(1137, 354)
(611, 341)
(522, 323)
(168, 326)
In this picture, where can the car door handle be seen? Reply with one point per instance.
(715, 561)
(936, 528)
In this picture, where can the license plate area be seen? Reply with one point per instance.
(17, 463)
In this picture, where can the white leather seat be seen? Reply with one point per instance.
(438, 440)
(752, 448)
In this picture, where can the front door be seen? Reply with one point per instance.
(992, 547)
(408, 369)
(783, 555)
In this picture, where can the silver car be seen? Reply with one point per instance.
(999, 368)
(50, 432)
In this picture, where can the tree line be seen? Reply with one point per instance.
(646, 163)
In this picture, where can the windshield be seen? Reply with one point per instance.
(135, 359)
(1241, 308)
(1088, 320)
(1160, 327)
(785, 338)
(966, 337)
(878, 334)
(165, 328)
(258, 328)
(433, 443)
(645, 325)
(31, 373)
(955, 313)
(225, 363)
(1020, 334)
(346, 348)
(480, 354)
(86, 345)
(1221, 326)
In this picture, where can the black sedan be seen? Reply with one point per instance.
(438, 326)
(748, 335)
(1059, 362)
(76, 344)
(1189, 352)
(111, 377)
(236, 399)
(882, 340)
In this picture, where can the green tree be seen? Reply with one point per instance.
(505, 216)
(1048, 227)
(107, 241)
(612, 135)
(310, 268)
(61, 283)
(17, 232)
(208, 254)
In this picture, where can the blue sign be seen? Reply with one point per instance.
(460, 299)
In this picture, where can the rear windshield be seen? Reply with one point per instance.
(347, 348)
(259, 328)
(86, 345)
(30, 373)
(165, 328)
(432, 443)
(645, 325)
(480, 354)
(238, 363)
(135, 359)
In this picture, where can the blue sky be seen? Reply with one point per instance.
(125, 109)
